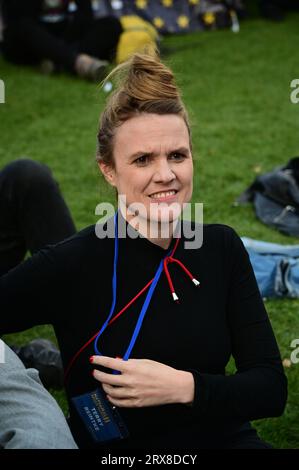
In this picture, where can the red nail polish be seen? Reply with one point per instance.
(91, 359)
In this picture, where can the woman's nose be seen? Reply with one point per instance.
(163, 172)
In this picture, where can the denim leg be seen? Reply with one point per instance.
(276, 267)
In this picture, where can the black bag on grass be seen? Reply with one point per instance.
(275, 196)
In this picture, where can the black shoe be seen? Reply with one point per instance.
(42, 354)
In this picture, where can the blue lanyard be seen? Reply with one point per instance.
(114, 286)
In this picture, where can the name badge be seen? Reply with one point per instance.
(100, 417)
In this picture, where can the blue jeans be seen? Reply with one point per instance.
(276, 267)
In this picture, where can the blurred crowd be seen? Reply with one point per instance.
(82, 37)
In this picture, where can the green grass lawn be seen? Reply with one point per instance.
(237, 89)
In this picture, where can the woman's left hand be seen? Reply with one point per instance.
(143, 382)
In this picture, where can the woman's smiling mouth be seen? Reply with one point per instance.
(164, 195)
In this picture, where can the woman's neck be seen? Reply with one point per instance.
(159, 233)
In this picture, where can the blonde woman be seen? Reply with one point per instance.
(158, 322)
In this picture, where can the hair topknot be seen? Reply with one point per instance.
(144, 77)
(143, 85)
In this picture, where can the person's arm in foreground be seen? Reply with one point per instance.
(30, 417)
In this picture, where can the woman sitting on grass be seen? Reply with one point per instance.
(158, 342)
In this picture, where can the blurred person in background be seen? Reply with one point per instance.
(45, 32)
(33, 212)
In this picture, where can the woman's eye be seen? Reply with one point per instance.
(142, 160)
(177, 156)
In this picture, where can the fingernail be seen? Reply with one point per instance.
(92, 373)
(91, 359)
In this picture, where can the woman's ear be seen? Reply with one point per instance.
(108, 172)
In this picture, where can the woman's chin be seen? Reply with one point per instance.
(164, 219)
(165, 212)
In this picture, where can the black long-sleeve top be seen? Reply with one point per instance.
(69, 285)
